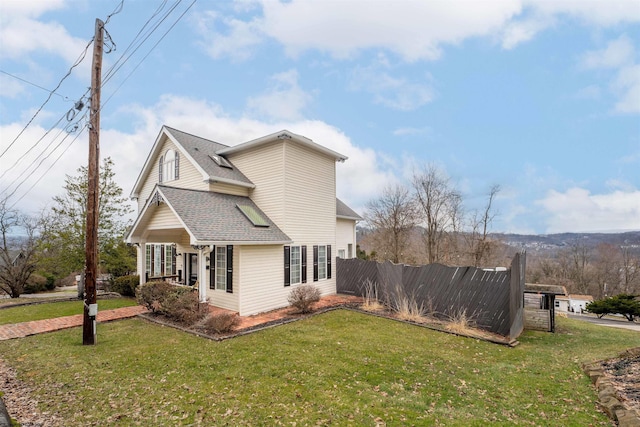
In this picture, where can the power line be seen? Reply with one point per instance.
(149, 52)
(78, 61)
(50, 166)
(33, 84)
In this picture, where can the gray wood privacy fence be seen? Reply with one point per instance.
(493, 300)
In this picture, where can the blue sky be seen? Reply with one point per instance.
(541, 98)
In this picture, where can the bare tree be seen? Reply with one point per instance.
(17, 249)
(480, 245)
(579, 271)
(440, 206)
(629, 271)
(393, 216)
(607, 269)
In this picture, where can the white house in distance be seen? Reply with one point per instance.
(244, 223)
(573, 303)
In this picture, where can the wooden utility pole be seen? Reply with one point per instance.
(91, 243)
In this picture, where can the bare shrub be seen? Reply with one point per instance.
(461, 323)
(176, 302)
(303, 297)
(221, 323)
(184, 307)
(371, 300)
(406, 305)
(152, 294)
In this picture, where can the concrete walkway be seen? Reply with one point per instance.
(20, 330)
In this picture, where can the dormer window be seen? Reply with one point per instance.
(169, 166)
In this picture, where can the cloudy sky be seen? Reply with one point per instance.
(539, 97)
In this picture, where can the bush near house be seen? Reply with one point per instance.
(125, 285)
(177, 303)
(303, 297)
(221, 323)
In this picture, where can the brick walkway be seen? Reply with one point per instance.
(19, 330)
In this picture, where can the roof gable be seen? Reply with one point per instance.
(210, 217)
(200, 152)
(278, 136)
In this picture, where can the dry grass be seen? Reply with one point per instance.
(461, 323)
(406, 306)
(370, 300)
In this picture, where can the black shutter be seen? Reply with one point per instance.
(177, 165)
(315, 263)
(173, 260)
(153, 259)
(328, 261)
(212, 269)
(287, 266)
(160, 170)
(304, 264)
(230, 269)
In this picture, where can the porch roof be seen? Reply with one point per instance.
(211, 218)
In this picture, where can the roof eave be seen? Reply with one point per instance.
(213, 179)
(284, 134)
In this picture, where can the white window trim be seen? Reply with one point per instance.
(322, 262)
(291, 265)
(221, 272)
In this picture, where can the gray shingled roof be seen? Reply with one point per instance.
(344, 211)
(215, 217)
(200, 149)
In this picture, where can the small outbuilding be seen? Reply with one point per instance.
(539, 306)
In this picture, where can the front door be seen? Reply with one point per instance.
(193, 269)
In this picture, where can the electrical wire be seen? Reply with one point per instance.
(40, 163)
(110, 74)
(78, 61)
(33, 84)
(50, 166)
(148, 53)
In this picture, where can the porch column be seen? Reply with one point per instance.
(202, 273)
(141, 266)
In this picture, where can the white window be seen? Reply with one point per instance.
(341, 253)
(296, 265)
(169, 166)
(322, 262)
(221, 268)
(160, 260)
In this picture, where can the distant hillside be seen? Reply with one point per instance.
(544, 242)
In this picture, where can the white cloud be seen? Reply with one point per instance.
(618, 53)
(358, 179)
(285, 99)
(521, 31)
(22, 34)
(579, 210)
(415, 30)
(226, 36)
(412, 131)
(600, 13)
(398, 93)
(627, 86)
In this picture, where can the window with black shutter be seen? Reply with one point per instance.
(230, 269)
(287, 266)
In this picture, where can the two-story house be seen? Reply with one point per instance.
(244, 223)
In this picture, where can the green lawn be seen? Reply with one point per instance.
(49, 310)
(337, 368)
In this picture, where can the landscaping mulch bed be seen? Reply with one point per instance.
(624, 373)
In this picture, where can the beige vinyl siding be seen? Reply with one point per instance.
(310, 195)
(189, 177)
(220, 298)
(236, 190)
(264, 166)
(345, 235)
(261, 279)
